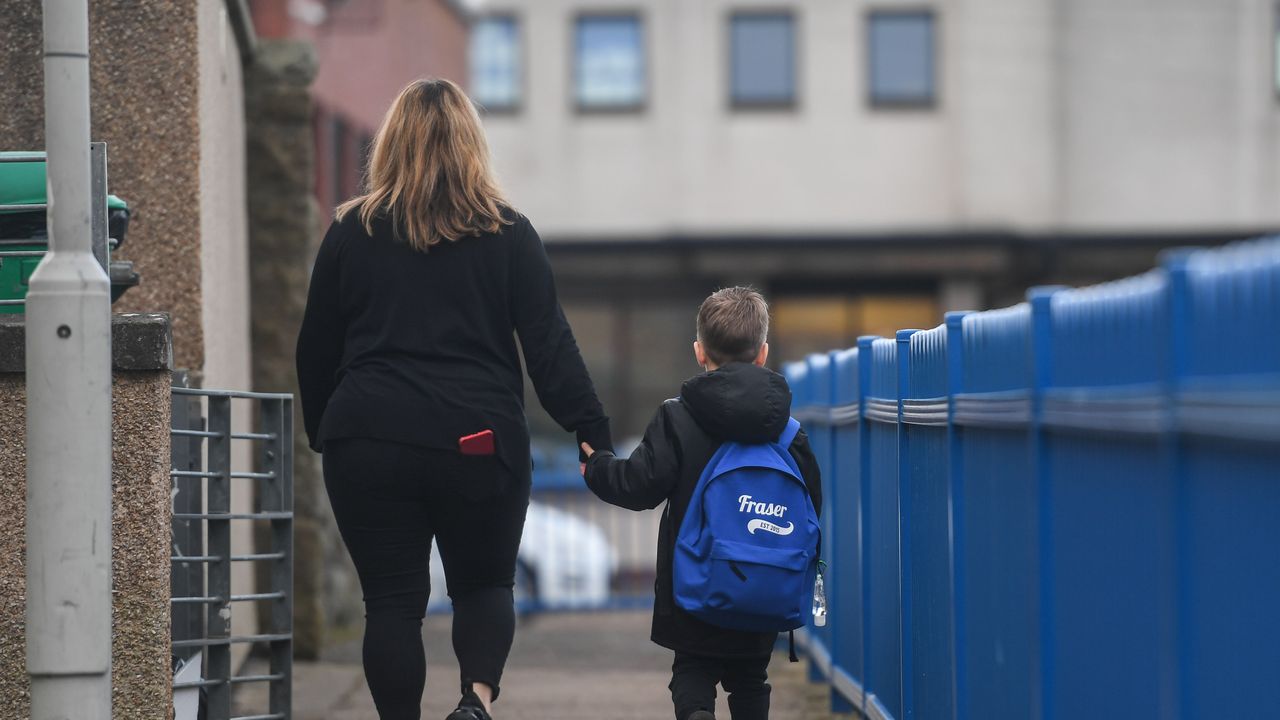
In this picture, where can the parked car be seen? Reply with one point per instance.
(565, 562)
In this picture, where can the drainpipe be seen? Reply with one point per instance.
(68, 407)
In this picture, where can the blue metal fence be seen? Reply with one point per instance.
(1066, 508)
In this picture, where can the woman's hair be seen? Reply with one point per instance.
(429, 169)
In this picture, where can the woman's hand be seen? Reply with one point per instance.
(588, 451)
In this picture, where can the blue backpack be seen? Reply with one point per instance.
(746, 555)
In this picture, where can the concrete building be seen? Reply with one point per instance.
(869, 164)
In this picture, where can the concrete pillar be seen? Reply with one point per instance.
(142, 361)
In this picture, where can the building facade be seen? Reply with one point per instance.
(833, 117)
(868, 163)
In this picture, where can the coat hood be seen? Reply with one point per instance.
(740, 402)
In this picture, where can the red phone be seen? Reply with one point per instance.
(480, 443)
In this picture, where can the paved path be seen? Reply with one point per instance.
(590, 666)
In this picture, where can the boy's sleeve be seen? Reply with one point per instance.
(809, 469)
(644, 480)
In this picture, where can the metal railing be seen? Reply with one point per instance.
(202, 592)
(1060, 509)
(98, 222)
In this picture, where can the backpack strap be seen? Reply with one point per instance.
(788, 435)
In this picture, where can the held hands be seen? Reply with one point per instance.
(588, 451)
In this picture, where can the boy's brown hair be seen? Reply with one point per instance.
(733, 324)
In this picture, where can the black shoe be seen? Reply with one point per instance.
(702, 715)
(469, 708)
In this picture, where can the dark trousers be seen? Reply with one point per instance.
(390, 501)
(694, 679)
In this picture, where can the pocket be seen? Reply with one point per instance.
(478, 477)
(756, 580)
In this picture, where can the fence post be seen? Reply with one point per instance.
(1180, 318)
(842, 498)
(275, 495)
(864, 525)
(903, 338)
(218, 529)
(187, 578)
(954, 322)
(820, 441)
(1041, 349)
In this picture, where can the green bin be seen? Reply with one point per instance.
(24, 233)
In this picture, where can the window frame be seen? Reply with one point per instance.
(646, 80)
(340, 159)
(522, 63)
(364, 153)
(933, 102)
(737, 104)
(1275, 49)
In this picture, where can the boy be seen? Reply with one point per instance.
(736, 399)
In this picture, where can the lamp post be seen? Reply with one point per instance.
(68, 369)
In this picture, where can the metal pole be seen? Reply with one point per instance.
(68, 407)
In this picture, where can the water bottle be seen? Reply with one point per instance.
(819, 601)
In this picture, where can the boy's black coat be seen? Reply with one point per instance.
(739, 402)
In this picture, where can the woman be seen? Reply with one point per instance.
(412, 388)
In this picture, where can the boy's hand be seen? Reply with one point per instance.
(589, 451)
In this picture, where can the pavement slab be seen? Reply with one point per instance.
(573, 666)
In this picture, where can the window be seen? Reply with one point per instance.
(609, 65)
(762, 60)
(1276, 56)
(366, 149)
(495, 63)
(902, 58)
(339, 160)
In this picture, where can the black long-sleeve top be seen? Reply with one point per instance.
(418, 347)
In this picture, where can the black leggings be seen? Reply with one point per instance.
(390, 500)
(694, 679)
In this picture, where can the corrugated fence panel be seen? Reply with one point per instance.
(818, 427)
(1226, 305)
(925, 503)
(884, 626)
(1107, 545)
(995, 510)
(1066, 508)
(844, 563)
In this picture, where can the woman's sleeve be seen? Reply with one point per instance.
(551, 354)
(321, 337)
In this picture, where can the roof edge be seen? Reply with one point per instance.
(242, 25)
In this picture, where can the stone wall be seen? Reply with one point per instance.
(141, 679)
(144, 73)
(283, 225)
